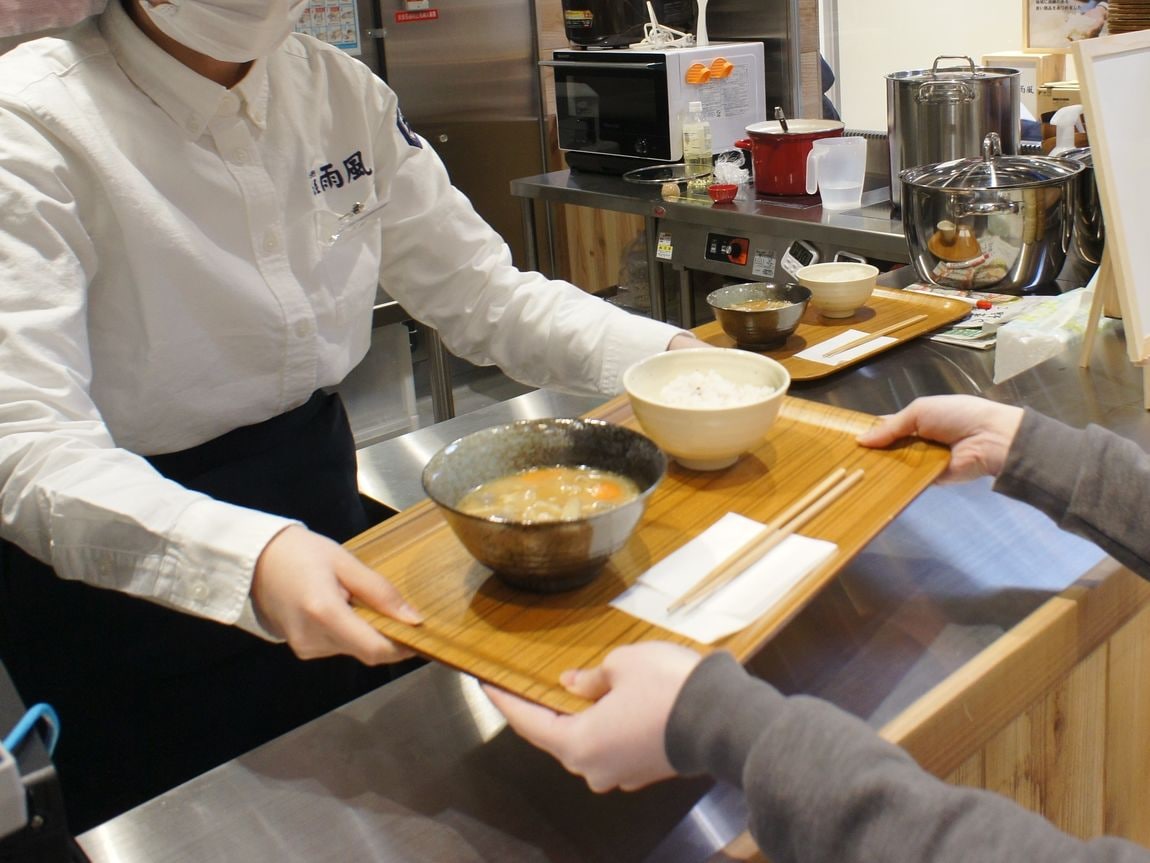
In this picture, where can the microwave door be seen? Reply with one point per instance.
(613, 108)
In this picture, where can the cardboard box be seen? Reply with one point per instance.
(1057, 94)
(1036, 69)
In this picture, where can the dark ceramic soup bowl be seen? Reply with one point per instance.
(544, 556)
(764, 329)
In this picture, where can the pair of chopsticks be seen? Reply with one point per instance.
(836, 483)
(854, 343)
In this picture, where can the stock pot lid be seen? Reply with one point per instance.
(992, 171)
(963, 71)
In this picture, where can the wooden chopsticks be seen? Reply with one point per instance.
(854, 343)
(778, 529)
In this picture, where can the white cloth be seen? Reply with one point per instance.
(166, 276)
(737, 604)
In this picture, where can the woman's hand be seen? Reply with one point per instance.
(302, 587)
(978, 431)
(618, 742)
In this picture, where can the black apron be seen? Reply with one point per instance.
(148, 697)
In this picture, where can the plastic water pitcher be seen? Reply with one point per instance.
(836, 168)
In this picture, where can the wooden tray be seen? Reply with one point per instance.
(885, 306)
(522, 641)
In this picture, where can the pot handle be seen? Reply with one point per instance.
(944, 91)
(934, 68)
(743, 144)
(987, 208)
(812, 173)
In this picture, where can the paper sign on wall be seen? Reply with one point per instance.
(335, 22)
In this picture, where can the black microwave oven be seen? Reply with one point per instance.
(621, 108)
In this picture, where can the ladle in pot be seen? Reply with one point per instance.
(781, 117)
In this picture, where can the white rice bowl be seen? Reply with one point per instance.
(705, 407)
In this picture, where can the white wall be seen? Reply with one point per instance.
(878, 37)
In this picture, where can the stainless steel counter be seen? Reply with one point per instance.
(872, 229)
(423, 770)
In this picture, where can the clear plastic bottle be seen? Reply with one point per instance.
(697, 154)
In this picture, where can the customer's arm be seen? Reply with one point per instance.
(821, 785)
(1090, 481)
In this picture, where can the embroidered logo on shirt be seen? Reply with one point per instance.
(330, 177)
(406, 130)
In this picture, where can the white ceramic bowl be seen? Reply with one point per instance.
(702, 436)
(838, 288)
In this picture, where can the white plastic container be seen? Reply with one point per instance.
(13, 802)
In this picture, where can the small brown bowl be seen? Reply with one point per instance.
(722, 193)
(544, 556)
(761, 329)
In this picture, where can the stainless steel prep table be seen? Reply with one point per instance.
(871, 230)
(423, 770)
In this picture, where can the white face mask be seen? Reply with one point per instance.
(233, 30)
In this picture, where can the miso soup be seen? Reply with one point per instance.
(759, 305)
(549, 494)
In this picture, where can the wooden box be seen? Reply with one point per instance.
(1037, 69)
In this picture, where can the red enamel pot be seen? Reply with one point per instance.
(779, 158)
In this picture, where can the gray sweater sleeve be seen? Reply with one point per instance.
(1091, 481)
(822, 786)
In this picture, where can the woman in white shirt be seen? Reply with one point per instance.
(197, 208)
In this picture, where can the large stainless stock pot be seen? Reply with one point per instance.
(1089, 228)
(944, 112)
(1000, 223)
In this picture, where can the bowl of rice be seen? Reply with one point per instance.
(759, 316)
(705, 407)
(838, 288)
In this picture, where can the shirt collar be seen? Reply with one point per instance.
(190, 99)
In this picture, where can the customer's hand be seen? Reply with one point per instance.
(301, 589)
(978, 431)
(618, 741)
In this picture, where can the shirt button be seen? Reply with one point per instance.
(271, 241)
(199, 590)
(240, 156)
(193, 123)
(303, 329)
(229, 104)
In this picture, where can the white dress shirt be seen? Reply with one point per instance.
(178, 260)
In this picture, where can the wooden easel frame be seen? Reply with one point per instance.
(1106, 299)
(1108, 68)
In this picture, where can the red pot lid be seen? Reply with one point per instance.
(795, 127)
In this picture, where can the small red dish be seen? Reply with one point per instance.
(722, 193)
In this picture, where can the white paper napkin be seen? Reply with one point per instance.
(733, 606)
(817, 353)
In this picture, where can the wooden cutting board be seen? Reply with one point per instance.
(522, 641)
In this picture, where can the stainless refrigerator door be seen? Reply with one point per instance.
(468, 82)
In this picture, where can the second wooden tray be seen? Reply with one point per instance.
(885, 306)
(522, 641)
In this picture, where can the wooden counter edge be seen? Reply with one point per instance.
(958, 716)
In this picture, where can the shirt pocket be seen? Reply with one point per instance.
(348, 248)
